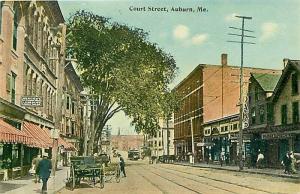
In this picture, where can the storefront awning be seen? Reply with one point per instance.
(42, 137)
(9, 134)
(67, 146)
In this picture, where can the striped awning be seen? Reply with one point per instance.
(67, 146)
(42, 137)
(10, 134)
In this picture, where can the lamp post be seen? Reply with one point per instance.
(54, 136)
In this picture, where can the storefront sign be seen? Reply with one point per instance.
(276, 135)
(32, 101)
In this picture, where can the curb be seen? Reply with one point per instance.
(245, 171)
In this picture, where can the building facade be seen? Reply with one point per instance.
(280, 131)
(210, 94)
(261, 88)
(162, 142)
(32, 58)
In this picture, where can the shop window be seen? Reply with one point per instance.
(253, 116)
(15, 155)
(262, 114)
(294, 84)
(1, 153)
(284, 114)
(295, 112)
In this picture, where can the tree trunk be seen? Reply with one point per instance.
(168, 131)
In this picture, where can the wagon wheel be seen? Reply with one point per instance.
(118, 174)
(101, 177)
(72, 177)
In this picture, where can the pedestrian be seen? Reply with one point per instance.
(286, 161)
(260, 159)
(35, 166)
(293, 163)
(222, 157)
(44, 171)
(122, 165)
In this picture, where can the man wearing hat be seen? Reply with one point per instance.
(45, 167)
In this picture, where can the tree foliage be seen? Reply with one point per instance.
(123, 69)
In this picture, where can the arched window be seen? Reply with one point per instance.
(36, 31)
(30, 28)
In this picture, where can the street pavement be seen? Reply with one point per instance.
(144, 178)
(264, 171)
(26, 185)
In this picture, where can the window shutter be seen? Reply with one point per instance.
(8, 82)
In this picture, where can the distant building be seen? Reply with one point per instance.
(162, 142)
(127, 142)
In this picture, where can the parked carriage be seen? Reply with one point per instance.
(85, 167)
(91, 168)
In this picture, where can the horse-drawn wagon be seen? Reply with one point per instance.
(91, 168)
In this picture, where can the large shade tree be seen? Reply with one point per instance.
(123, 71)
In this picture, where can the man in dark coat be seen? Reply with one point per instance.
(45, 167)
(286, 161)
(122, 165)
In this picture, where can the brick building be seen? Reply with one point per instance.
(127, 142)
(210, 93)
(32, 60)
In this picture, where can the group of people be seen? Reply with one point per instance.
(42, 167)
(289, 163)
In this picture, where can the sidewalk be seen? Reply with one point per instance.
(264, 171)
(27, 186)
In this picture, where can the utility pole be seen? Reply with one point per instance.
(242, 42)
(193, 146)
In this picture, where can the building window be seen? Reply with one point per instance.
(15, 29)
(294, 84)
(226, 128)
(262, 114)
(73, 107)
(253, 116)
(284, 114)
(235, 126)
(13, 87)
(68, 102)
(295, 112)
(269, 112)
(73, 128)
(256, 93)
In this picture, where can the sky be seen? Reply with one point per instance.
(197, 37)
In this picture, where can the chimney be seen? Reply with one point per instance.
(285, 62)
(224, 59)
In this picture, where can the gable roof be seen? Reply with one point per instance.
(266, 81)
(291, 65)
